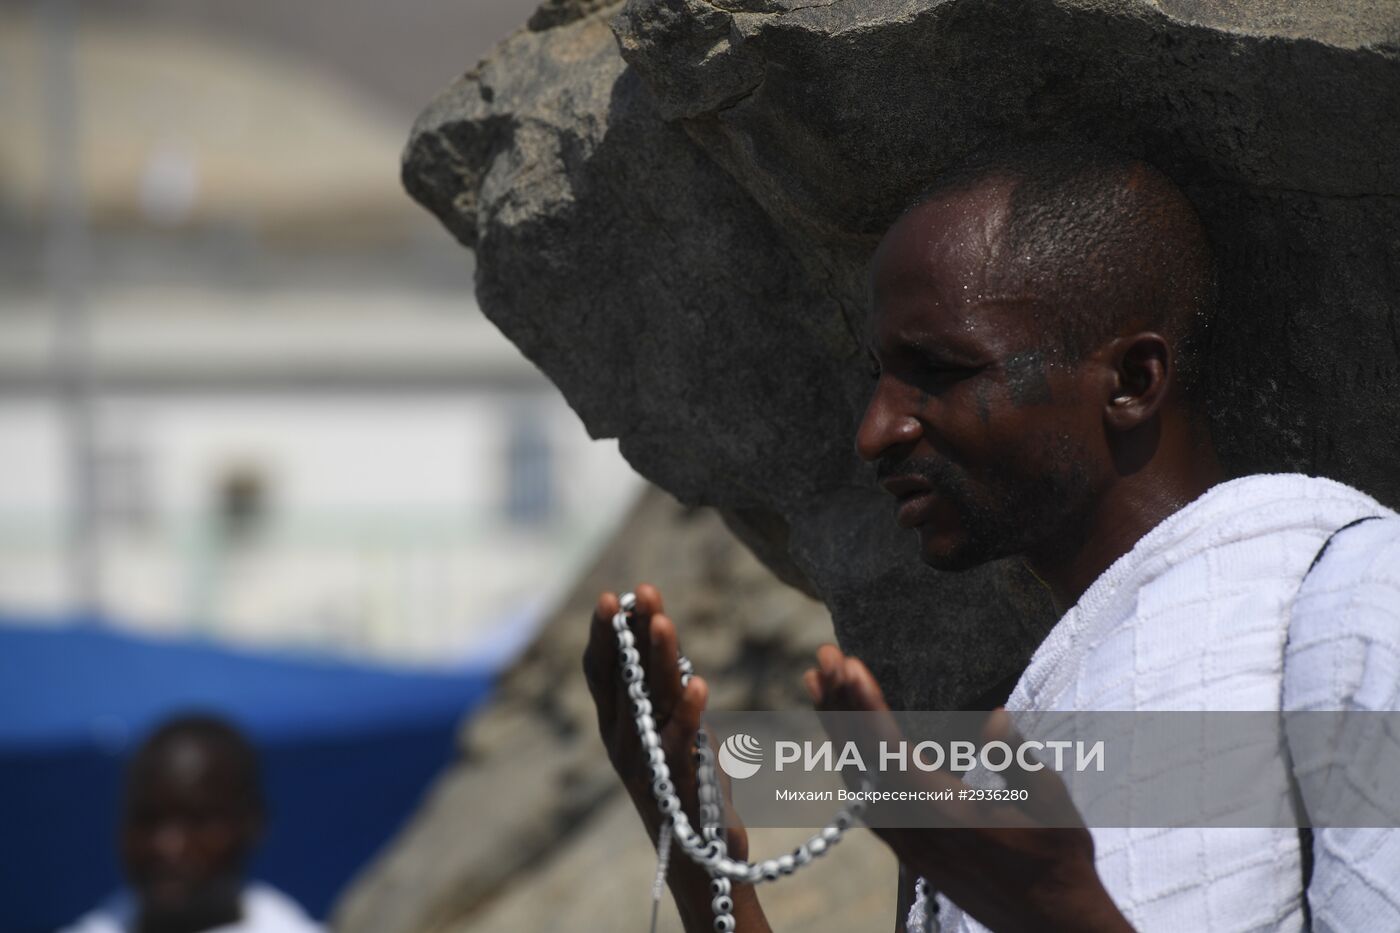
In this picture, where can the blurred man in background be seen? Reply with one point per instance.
(193, 814)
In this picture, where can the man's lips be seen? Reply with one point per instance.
(915, 497)
(901, 486)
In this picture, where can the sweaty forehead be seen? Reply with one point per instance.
(944, 269)
(948, 250)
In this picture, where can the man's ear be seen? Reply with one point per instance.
(1142, 374)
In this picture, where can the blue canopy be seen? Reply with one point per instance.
(347, 751)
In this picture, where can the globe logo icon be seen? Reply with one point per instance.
(740, 755)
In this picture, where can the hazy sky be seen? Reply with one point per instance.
(402, 51)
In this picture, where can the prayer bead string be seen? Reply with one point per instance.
(708, 848)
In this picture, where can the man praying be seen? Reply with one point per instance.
(1037, 330)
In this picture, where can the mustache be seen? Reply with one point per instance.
(937, 472)
(943, 477)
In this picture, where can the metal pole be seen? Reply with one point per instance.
(66, 270)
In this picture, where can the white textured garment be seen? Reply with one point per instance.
(1196, 617)
(1344, 653)
(265, 910)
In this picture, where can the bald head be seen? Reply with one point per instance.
(200, 748)
(1100, 243)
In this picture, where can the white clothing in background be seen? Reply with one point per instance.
(265, 910)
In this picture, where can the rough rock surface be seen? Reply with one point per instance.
(850, 891)
(515, 835)
(673, 202)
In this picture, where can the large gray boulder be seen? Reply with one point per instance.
(673, 202)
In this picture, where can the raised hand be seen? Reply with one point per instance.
(1011, 866)
(677, 712)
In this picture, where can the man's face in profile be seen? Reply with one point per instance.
(188, 828)
(977, 424)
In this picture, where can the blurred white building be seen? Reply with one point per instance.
(303, 431)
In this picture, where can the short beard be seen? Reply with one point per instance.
(1010, 515)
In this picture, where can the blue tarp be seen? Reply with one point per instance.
(347, 751)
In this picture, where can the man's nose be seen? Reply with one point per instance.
(884, 425)
(170, 840)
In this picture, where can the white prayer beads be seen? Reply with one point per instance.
(709, 849)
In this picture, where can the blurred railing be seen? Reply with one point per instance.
(399, 587)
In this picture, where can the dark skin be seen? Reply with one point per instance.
(677, 712)
(188, 827)
(995, 445)
(972, 410)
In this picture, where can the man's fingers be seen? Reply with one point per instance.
(663, 668)
(862, 688)
(679, 732)
(843, 683)
(645, 608)
(655, 642)
(658, 645)
(600, 659)
(648, 600)
(857, 692)
(830, 664)
(840, 685)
